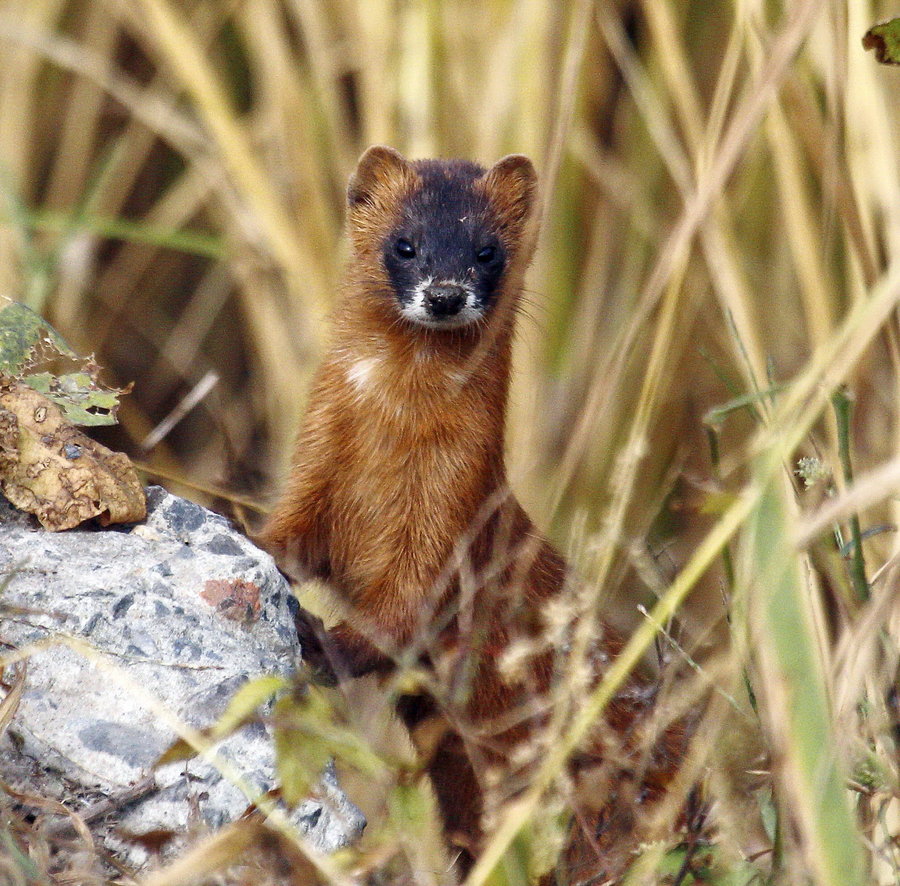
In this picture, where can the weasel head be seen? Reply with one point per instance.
(444, 242)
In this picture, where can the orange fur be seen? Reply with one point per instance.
(398, 497)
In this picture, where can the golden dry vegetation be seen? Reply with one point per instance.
(707, 387)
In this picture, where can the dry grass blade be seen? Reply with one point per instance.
(200, 390)
(720, 226)
(224, 849)
(568, 94)
(179, 48)
(10, 702)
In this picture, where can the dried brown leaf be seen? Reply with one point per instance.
(51, 469)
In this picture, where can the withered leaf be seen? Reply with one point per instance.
(51, 469)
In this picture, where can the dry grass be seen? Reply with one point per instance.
(721, 221)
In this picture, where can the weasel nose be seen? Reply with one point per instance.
(445, 299)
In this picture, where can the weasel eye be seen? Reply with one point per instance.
(405, 249)
(486, 254)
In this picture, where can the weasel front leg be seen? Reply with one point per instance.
(296, 533)
(361, 645)
(337, 653)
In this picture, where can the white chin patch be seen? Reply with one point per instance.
(416, 312)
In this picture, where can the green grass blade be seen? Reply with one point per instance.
(793, 684)
(192, 242)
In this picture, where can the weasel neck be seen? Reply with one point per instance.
(409, 375)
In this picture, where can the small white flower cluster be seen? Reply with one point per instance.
(812, 471)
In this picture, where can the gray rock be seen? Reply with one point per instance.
(179, 611)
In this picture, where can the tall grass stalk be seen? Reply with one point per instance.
(719, 222)
(794, 686)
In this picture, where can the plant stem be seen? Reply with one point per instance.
(842, 403)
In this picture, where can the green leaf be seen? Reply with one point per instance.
(300, 753)
(718, 414)
(407, 807)
(768, 812)
(513, 867)
(22, 333)
(177, 751)
(32, 351)
(308, 733)
(244, 703)
(76, 395)
(241, 708)
(885, 40)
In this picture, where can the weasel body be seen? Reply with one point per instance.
(404, 434)
(398, 494)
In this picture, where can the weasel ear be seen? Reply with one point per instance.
(377, 166)
(512, 184)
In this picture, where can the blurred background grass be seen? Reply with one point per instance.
(720, 186)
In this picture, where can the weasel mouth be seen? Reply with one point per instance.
(444, 305)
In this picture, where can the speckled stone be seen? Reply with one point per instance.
(177, 613)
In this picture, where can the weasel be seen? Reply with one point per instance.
(398, 494)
